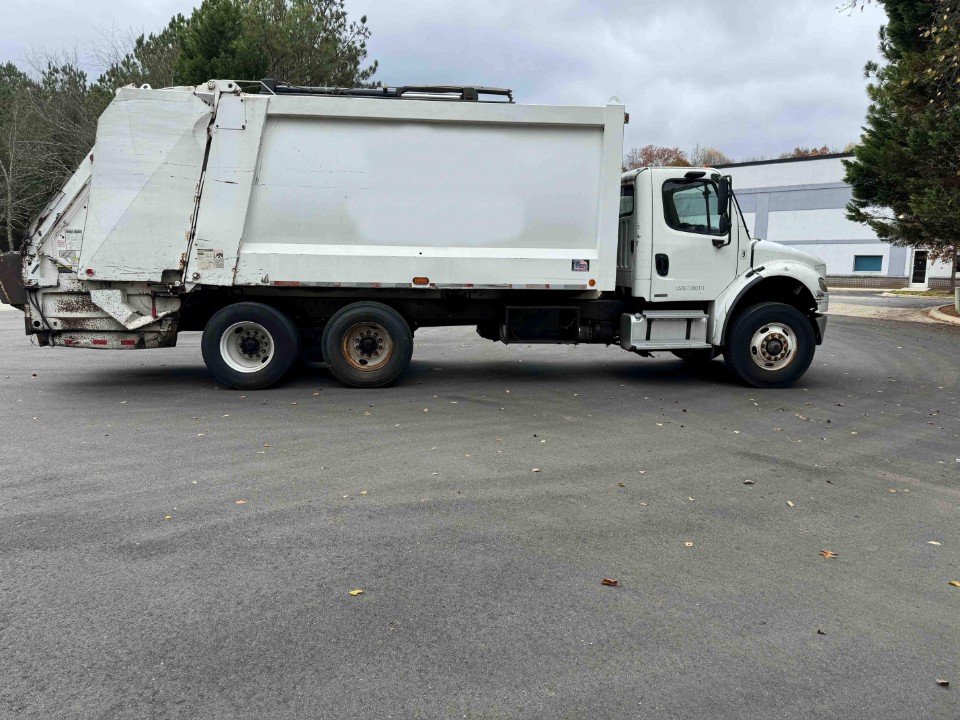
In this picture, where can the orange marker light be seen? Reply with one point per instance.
(421, 281)
(591, 282)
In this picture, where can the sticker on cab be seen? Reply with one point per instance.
(580, 266)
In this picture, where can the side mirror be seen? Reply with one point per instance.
(723, 194)
(723, 205)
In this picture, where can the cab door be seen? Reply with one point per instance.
(694, 258)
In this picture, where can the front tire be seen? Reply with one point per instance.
(770, 345)
(250, 346)
(367, 345)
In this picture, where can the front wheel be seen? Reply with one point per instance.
(367, 345)
(250, 346)
(770, 345)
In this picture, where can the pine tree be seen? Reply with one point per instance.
(905, 173)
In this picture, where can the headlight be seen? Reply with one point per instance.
(823, 284)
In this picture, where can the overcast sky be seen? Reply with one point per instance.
(751, 77)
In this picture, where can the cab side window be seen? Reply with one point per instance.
(626, 200)
(691, 206)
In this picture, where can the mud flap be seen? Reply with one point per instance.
(12, 291)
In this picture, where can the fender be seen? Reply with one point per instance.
(723, 308)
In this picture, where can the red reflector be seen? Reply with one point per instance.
(98, 342)
(128, 342)
(287, 283)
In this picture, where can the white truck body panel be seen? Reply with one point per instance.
(147, 162)
(339, 191)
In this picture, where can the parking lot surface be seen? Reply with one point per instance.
(170, 548)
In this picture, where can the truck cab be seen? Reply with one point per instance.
(671, 245)
(684, 251)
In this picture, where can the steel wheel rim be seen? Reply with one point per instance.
(367, 346)
(247, 347)
(773, 346)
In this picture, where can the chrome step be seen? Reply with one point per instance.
(664, 330)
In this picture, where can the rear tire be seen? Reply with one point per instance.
(250, 346)
(367, 345)
(770, 345)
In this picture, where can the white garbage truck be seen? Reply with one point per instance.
(291, 223)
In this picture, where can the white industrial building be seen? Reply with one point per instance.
(801, 202)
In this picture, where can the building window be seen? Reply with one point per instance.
(867, 263)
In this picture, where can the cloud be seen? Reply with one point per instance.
(751, 77)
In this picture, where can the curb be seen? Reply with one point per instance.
(916, 294)
(935, 313)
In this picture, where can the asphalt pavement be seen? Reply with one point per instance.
(174, 549)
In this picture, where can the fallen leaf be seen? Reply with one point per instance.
(943, 683)
(266, 445)
(748, 482)
(933, 542)
(829, 554)
(363, 492)
(955, 583)
(688, 544)
(168, 517)
(621, 485)
(536, 469)
(356, 591)
(820, 632)
(790, 503)
(609, 582)
(240, 502)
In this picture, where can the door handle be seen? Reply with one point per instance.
(662, 263)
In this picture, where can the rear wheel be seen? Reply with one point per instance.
(367, 344)
(770, 345)
(249, 345)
